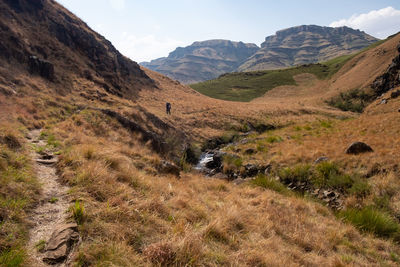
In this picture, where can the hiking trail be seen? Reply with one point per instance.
(50, 232)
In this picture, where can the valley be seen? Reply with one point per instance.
(88, 140)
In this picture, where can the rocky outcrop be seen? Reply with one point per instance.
(390, 79)
(202, 60)
(60, 243)
(358, 148)
(42, 67)
(306, 44)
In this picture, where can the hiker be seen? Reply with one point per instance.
(168, 106)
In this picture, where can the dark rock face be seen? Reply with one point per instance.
(306, 44)
(202, 60)
(42, 67)
(358, 148)
(60, 243)
(390, 79)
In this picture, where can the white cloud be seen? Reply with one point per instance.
(117, 4)
(145, 48)
(379, 23)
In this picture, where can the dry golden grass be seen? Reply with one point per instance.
(136, 216)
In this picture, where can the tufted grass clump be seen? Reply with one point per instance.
(78, 211)
(369, 219)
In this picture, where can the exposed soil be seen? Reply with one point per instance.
(52, 207)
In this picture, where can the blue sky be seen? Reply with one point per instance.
(148, 29)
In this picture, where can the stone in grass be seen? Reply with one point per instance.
(60, 243)
(358, 148)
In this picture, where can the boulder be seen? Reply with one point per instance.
(250, 170)
(216, 163)
(358, 148)
(395, 94)
(42, 67)
(168, 168)
(60, 243)
(267, 169)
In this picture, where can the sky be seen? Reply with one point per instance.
(148, 29)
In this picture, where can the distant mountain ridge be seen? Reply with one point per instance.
(203, 60)
(289, 47)
(306, 44)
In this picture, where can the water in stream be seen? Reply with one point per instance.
(204, 159)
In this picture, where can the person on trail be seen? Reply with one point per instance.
(168, 106)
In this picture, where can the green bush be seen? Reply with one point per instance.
(372, 220)
(297, 173)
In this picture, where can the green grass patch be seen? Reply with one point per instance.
(12, 258)
(270, 183)
(371, 220)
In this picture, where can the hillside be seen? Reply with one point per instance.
(306, 44)
(93, 172)
(202, 60)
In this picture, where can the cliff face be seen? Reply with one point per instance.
(306, 44)
(43, 38)
(203, 60)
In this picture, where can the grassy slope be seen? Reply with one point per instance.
(245, 86)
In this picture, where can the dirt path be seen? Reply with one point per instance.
(52, 208)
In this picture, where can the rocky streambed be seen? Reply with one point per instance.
(212, 164)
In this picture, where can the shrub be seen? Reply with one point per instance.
(297, 173)
(372, 220)
(355, 100)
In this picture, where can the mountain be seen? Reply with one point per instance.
(202, 60)
(43, 38)
(306, 44)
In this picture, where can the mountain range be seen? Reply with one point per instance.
(289, 47)
(203, 60)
